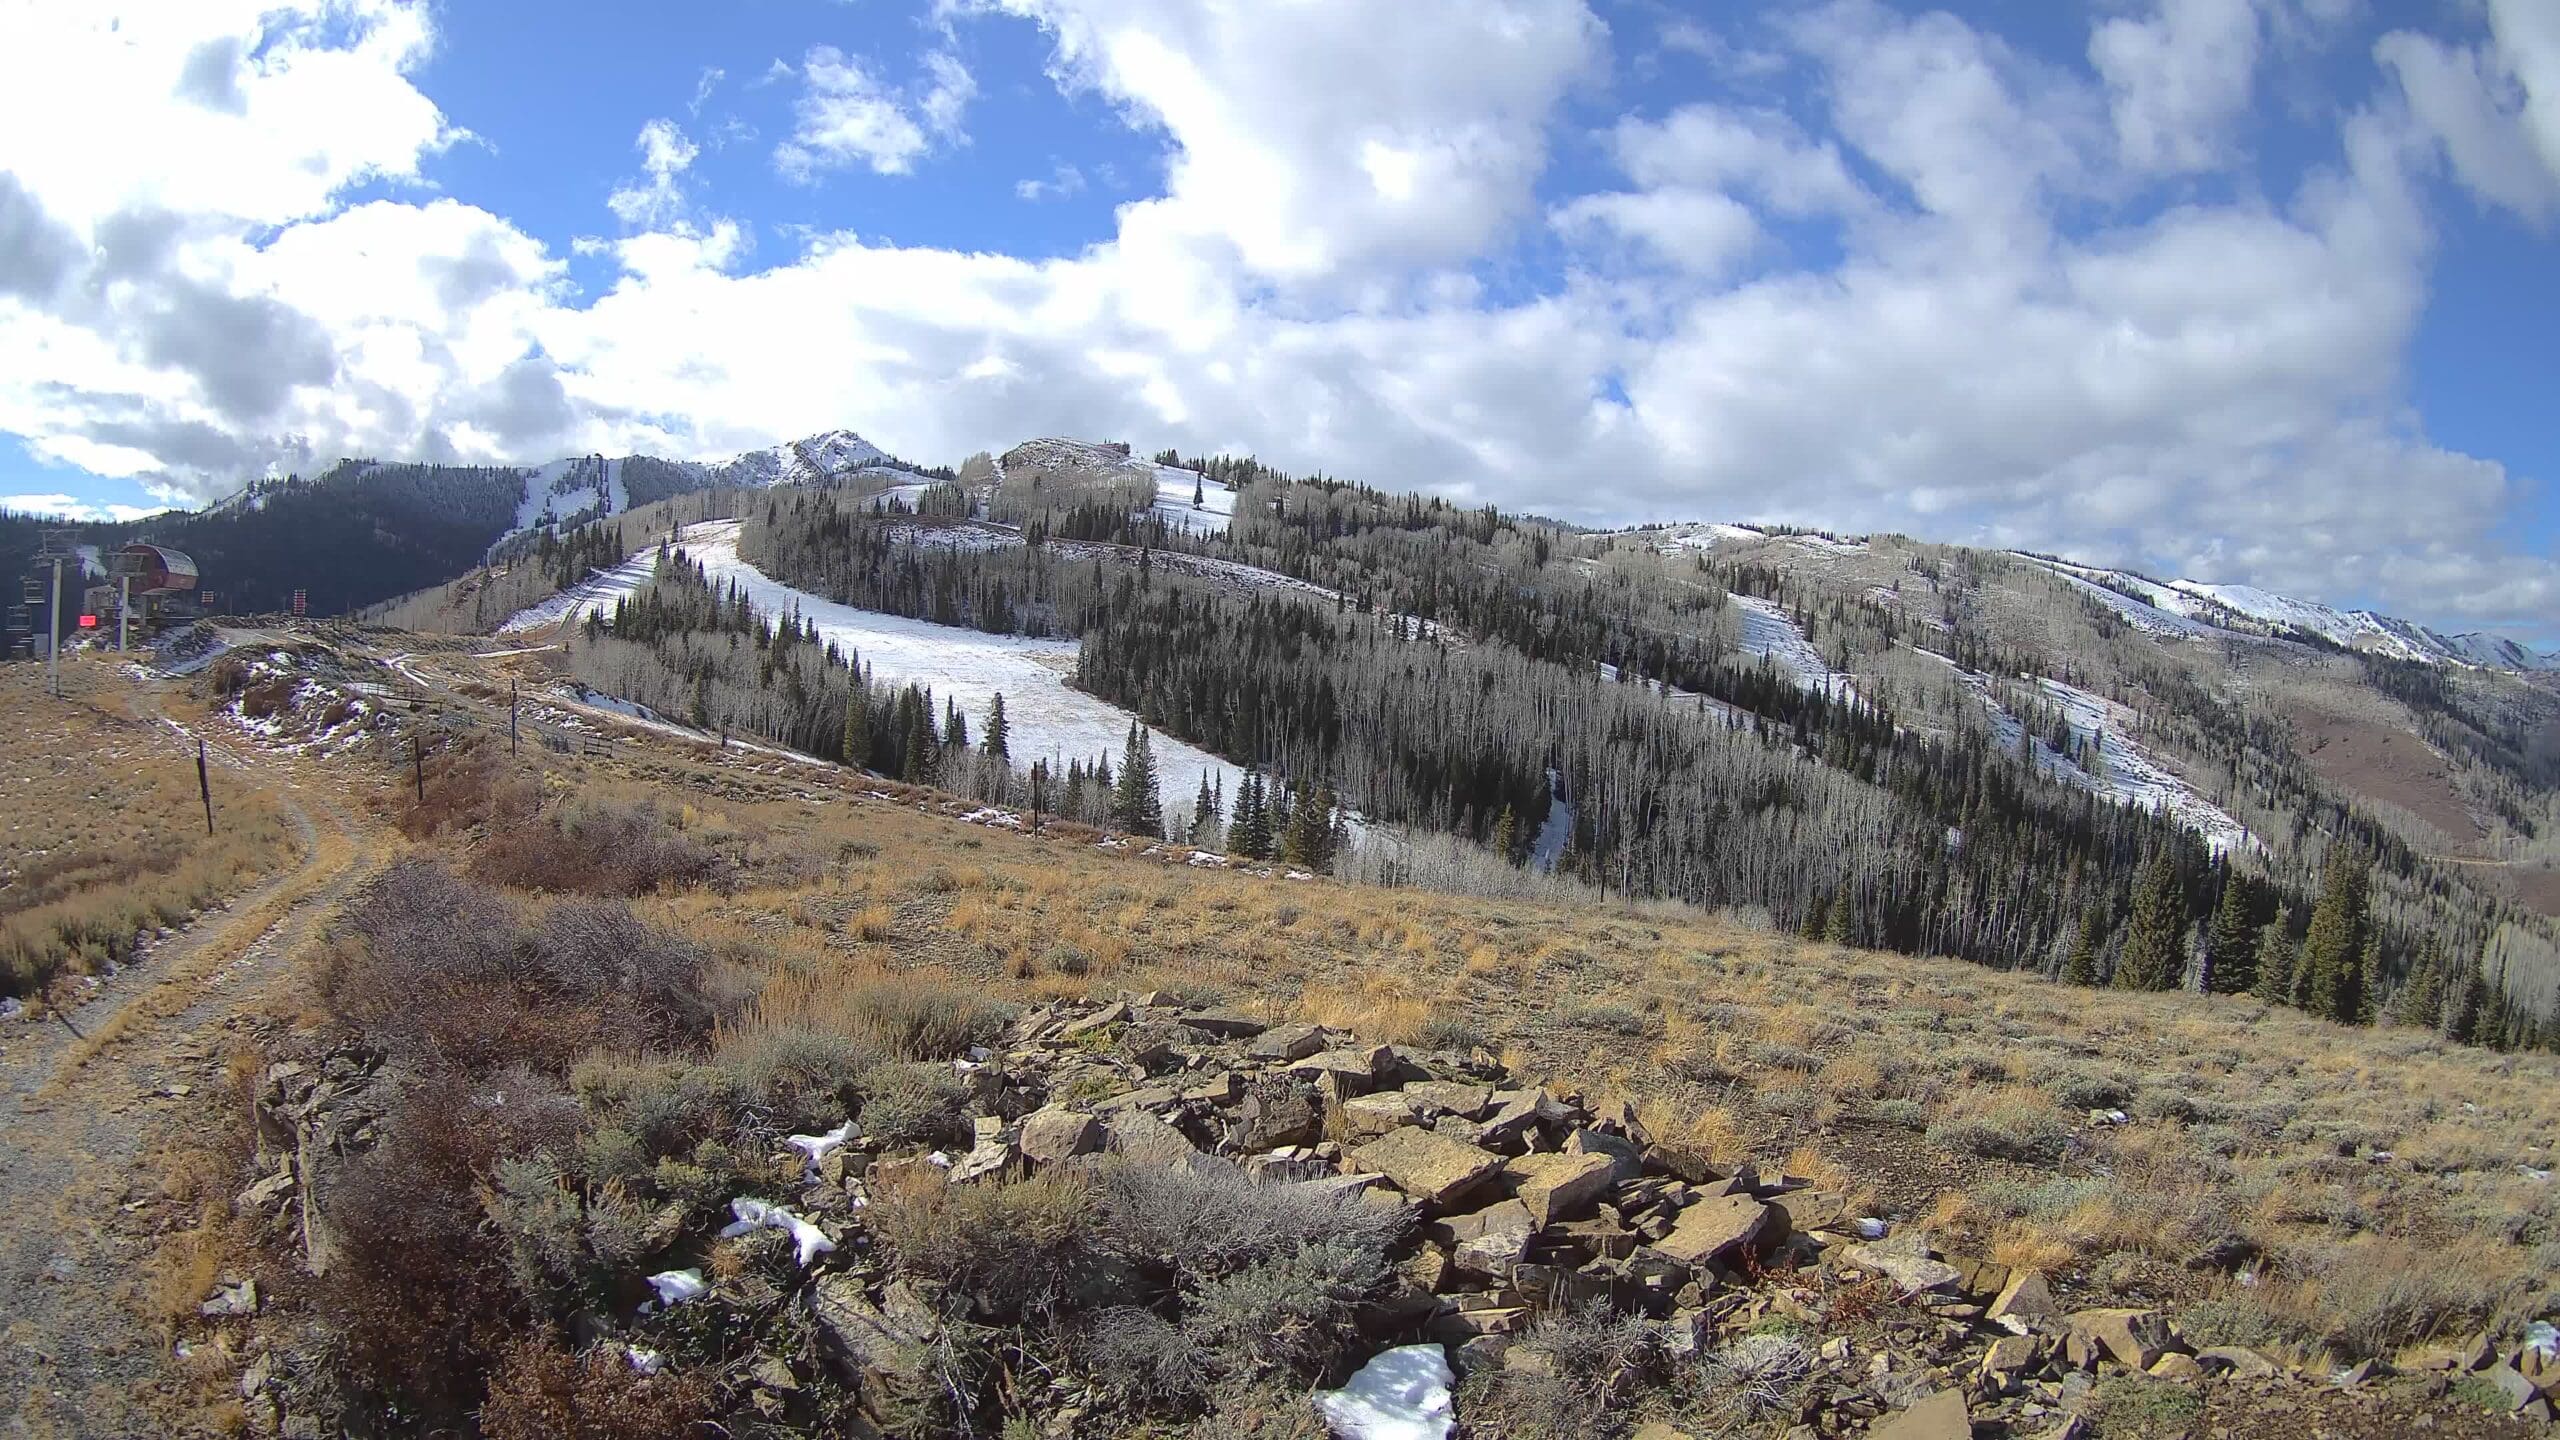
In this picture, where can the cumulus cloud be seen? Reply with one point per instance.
(1920, 292)
(848, 117)
(2501, 138)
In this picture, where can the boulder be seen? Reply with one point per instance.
(991, 1155)
(1353, 1069)
(1149, 1140)
(1271, 1118)
(1495, 1240)
(2240, 1361)
(1561, 1187)
(1222, 1024)
(1431, 1168)
(1369, 1116)
(1050, 1136)
(888, 1344)
(1625, 1160)
(2026, 1298)
(1940, 1417)
(2133, 1338)
(1288, 1043)
(2511, 1385)
(1468, 1102)
(2174, 1366)
(1714, 1229)
(2009, 1357)
(1911, 1273)
(1112, 1014)
(1812, 1210)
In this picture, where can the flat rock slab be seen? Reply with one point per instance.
(1940, 1417)
(1429, 1167)
(1561, 1187)
(1713, 1229)
(1913, 1274)
(2133, 1337)
(1225, 1024)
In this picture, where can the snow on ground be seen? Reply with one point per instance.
(2141, 615)
(2127, 773)
(1557, 831)
(1768, 630)
(1401, 1394)
(1047, 719)
(1174, 488)
(597, 592)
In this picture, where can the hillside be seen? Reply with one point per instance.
(756, 1093)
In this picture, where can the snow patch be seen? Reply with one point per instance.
(1174, 489)
(1770, 632)
(809, 1241)
(1046, 718)
(1402, 1394)
(1557, 830)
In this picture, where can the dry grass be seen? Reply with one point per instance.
(2253, 1134)
(92, 854)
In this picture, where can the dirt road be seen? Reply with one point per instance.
(83, 1116)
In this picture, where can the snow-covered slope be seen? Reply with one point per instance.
(2126, 773)
(1768, 631)
(1174, 489)
(1047, 719)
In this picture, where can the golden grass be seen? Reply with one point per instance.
(91, 853)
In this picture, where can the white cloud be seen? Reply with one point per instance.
(2502, 139)
(665, 154)
(848, 117)
(2178, 80)
(1064, 180)
(2528, 37)
(1332, 143)
(65, 507)
(1990, 342)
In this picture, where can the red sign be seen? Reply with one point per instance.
(301, 602)
(88, 622)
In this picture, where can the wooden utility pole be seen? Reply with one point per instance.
(204, 786)
(514, 746)
(418, 764)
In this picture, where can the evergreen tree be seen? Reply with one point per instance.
(857, 726)
(1506, 836)
(2465, 1001)
(2420, 1001)
(2275, 962)
(1817, 916)
(2155, 947)
(1309, 842)
(2333, 950)
(1204, 813)
(1135, 805)
(2081, 968)
(1836, 928)
(955, 726)
(2231, 954)
(998, 731)
(2368, 1001)
(1250, 835)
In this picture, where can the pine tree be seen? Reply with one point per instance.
(955, 726)
(1204, 814)
(1309, 842)
(1250, 834)
(2465, 1001)
(857, 726)
(1506, 835)
(2081, 968)
(1836, 926)
(1817, 915)
(2275, 962)
(1135, 806)
(2368, 1000)
(998, 731)
(2231, 955)
(2420, 1001)
(2154, 948)
(2333, 950)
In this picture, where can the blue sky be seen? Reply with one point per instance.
(2248, 290)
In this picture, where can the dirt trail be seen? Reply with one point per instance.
(81, 1118)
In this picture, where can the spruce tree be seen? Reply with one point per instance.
(998, 731)
(2231, 955)
(2420, 1001)
(2275, 962)
(2464, 1002)
(1817, 914)
(1836, 927)
(2368, 1001)
(2333, 950)
(2155, 947)
(2081, 967)
(955, 726)
(1204, 813)
(1309, 843)
(1250, 835)
(1506, 835)
(857, 726)
(1135, 805)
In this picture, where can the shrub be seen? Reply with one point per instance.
(800, 1077)
(1448, 1032)
(540, 1392)
(588, 846)
(1213, 1221)
(2138, 1407)
(1588, 1356)
(913, 1102)
(437, 972)
(1290, 1313)
(2012, 1123)
(1010, 1252)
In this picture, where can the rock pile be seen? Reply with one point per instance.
(1516, 1202)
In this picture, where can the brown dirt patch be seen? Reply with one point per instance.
(2378, 762)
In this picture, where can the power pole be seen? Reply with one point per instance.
(124, 609)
